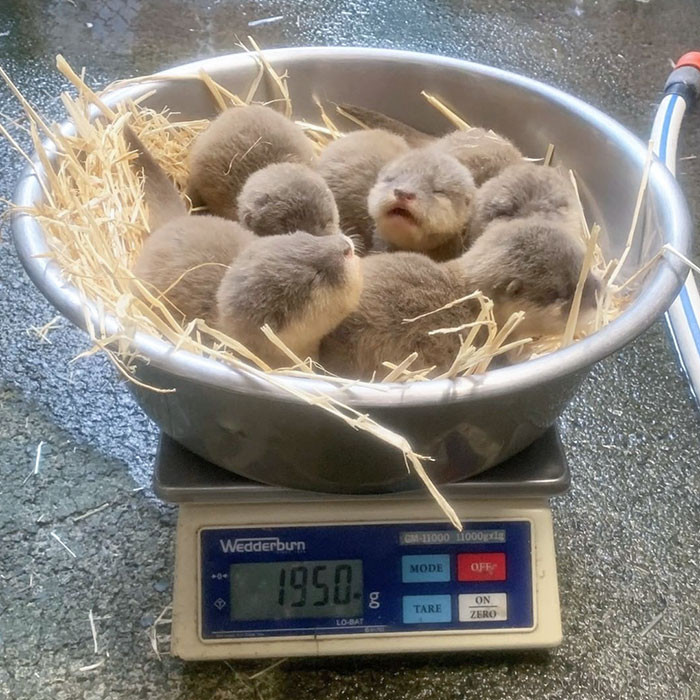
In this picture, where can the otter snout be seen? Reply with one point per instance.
(404, 196)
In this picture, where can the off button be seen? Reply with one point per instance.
(484, 566)
(425, 568)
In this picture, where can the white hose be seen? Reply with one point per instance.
(682, 316)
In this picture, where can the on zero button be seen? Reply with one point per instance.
(483, 607)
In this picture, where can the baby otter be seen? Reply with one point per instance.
(533, 265)
(378, 120)
(484, 152)
(422, 202)
(528, 265)
(524, 190)
(397, 286)
(301, 285)
(287, 197)
(185, 261)
(239, 142)
(184, 257)
(350, 167)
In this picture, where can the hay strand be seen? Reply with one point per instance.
(446, 111)
(548, 156)
(635, 216)
(572, 320)
(351, 117)
(82, 88)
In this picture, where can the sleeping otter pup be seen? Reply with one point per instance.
(239, 142)
(185, 260)
(526, 190)
(526, 264)
(287, 197)
(350, 166)
(423, 202)
(303, 286)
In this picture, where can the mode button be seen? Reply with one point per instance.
(422, 568)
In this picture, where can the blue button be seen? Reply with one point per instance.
(427, 608)
(419, 568)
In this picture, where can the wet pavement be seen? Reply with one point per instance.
(626, 533)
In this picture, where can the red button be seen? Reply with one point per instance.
(481, 567)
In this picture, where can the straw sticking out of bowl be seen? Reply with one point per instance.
(446, 111)
(79, 84)
(548, 155)
(572, 321)
(351, 117)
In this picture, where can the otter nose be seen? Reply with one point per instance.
(402, 194)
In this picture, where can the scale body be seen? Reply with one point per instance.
(263, 571)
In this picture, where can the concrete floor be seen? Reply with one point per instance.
(626, 533)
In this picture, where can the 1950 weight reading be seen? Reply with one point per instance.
(297, 589)
(304, 581)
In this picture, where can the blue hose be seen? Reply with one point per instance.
(681, 91)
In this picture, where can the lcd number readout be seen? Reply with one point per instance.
(297, 589)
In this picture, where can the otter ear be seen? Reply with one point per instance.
(502, 205)
(514, 287)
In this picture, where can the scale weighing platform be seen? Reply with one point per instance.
(263, 571)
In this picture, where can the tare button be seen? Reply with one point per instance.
(422, 568)
(485, 566)
(427, 608)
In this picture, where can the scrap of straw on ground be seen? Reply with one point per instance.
(95, 221)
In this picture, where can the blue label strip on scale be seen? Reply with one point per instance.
(265, 582)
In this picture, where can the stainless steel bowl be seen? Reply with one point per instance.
(467, 425)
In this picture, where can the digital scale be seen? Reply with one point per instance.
(263, 571)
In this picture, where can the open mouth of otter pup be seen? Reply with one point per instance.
(403, 213)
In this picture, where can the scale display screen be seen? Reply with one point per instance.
(297, 589)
